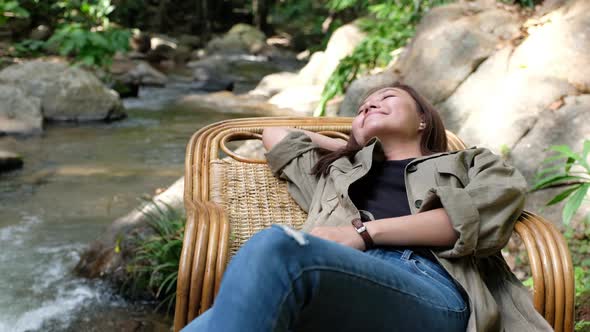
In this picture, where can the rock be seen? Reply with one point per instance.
(137, 72)
(360, 87)
(160, 53)
(66, 93)
(271, 84)
(19, 113)
(192, 41)
(341, 44)
(10, 161)
(100, 258)
(241, 38)
(127, 318)
(229, 102)
(182, 54)
(309, 73)
(302, 99)
(159, 39)
(457, 44)
(488, 110)
(302, 92)
(503, 99)
(41, 32)
(559, 127)
(141, 42)
(226, 72)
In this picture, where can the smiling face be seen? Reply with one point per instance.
(388, 112)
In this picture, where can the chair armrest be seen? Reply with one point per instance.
(552, 270)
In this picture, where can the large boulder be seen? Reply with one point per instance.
(19, 113)
(302, 92)
(241, 38)
(503, 99)
(66, 93)
(451, 42)
(553, 127)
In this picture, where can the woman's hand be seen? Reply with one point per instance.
(346, 235)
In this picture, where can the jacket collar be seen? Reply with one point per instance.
(373, 150)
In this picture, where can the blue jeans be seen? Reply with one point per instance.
(285, 280)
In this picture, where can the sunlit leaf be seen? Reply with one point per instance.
(563, 195)
(574, 203)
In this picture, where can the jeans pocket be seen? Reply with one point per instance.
(457, 302)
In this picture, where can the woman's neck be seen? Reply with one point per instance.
(401, 150)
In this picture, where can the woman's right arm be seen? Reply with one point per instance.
(273, 135)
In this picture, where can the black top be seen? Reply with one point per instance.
(382, 192)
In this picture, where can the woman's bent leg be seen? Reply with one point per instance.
(282, 280)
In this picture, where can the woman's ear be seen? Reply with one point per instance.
(422, 124)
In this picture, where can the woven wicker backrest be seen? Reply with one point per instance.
(252, 198)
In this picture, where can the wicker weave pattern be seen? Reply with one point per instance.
(252, 198)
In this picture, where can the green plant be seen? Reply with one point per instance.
(523, 3)
(11, 9)
(582, 280)
(563, 174)
(390, 26)
(155, 265)
(90, 47)
(29, 47)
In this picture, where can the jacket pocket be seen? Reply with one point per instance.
(451, 173)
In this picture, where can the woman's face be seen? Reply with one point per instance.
(387, 112)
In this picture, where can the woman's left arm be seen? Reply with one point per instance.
(430, 228)
(477, 220)
(482, 214)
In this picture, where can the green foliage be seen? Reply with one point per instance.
(11, 9)
(90, 47)
(523, 3)
(29, 47)
(83, 31)
(582, 280)
(303, 20)
(561, 174)
(582, 325)
(155, 265)
(390, 26)
(87, 13)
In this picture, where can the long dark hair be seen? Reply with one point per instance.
(434, 137)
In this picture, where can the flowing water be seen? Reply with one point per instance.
(76, 180)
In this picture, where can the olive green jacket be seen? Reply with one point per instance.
(482, 195)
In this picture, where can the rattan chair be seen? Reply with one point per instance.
(228, 198)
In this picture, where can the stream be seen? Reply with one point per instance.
(77, 179)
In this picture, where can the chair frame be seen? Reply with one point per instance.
(205, 250)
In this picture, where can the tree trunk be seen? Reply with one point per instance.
(260, 10)
(202, 24)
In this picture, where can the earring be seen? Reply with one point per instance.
(422, 125)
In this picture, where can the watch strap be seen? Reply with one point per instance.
(362, 230)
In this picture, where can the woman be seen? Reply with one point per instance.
(401, 235)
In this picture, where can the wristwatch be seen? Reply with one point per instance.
(362, 230)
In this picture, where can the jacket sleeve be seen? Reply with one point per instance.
(484, 212)
(292, 159)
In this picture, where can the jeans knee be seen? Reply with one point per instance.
(275, 242)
